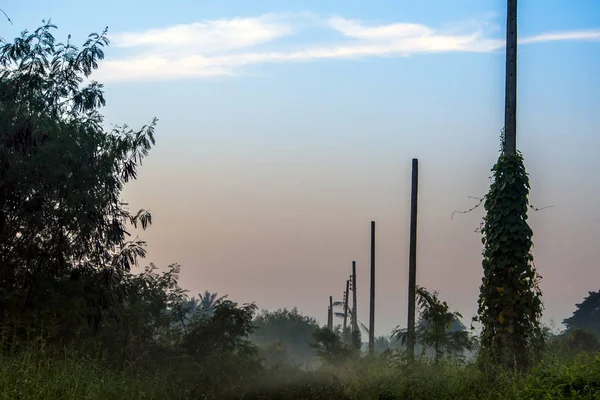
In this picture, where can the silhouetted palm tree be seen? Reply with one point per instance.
(208, 301)
(349, 311)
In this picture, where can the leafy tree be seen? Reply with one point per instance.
(147, 324)
(575, 341)
(290, 329)
(63, 227)
(330, 347)
(226, 330)
(274, 356)
(219, 346)
(510, 304)
(201, 308)
(155, 300)
(438, 328)
(586, 315)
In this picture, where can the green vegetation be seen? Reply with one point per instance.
(587, 314)
(438, 328)
(510, 305)
(286, 333)
(78, 319)
(35, 375)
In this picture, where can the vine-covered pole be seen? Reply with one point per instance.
(412, 261)
(510, 300)
(510, 115)
(372, 305)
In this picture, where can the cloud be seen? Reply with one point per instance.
(407, 38)
(208, 36)
(560, 36)
(395, 31)
(222, 47)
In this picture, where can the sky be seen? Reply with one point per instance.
(286, 127)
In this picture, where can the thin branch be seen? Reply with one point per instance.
(539, 209)
(481, 199)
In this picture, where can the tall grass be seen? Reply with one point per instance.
(36, 374)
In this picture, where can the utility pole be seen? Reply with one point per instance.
(412, 261)
(330, 314)
(372, 310)
(354, 312)
(345, 334)
(510, 115)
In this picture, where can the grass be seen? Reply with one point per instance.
(552, 379)
(37, 375)
(31, 375)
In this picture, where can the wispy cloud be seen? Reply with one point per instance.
(209, 36)
(408, 38)
(222, 47)
(357, 30)
(560, 36)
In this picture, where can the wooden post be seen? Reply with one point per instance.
(330, 314)
(346, 293)
(412, 261)
(354, 312)
(372, 310)
(510, 115)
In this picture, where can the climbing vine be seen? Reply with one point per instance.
(510, 304)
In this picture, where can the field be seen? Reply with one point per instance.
(36, 375)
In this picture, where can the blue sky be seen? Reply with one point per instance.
(285, 127)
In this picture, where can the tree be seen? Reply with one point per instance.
(438, 327)
(330, 347)
(574, 341)
(219, 346)
(586, 315)
(63, 226)
(292, 330)
(190, 308)
(147, 324)
(208, 303)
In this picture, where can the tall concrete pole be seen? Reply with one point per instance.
(510, 114)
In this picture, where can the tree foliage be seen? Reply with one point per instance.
(63, 225)
(586, 315)
(510, 304)
(207, 304)
(219, 346)
(290, 329)
(330, 347)
(435, 327)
